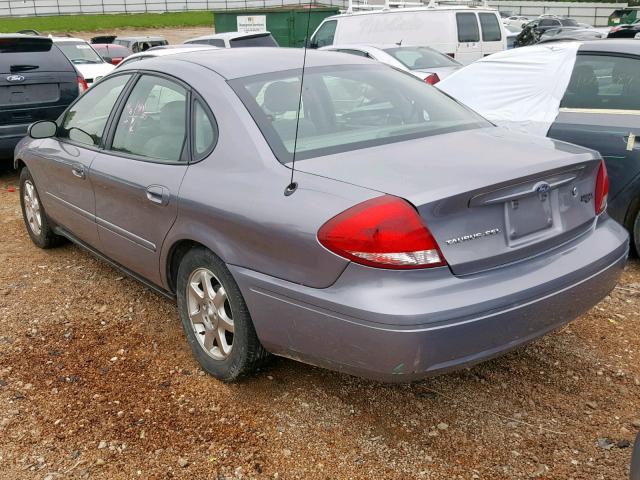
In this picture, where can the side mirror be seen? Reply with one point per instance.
(42, 129)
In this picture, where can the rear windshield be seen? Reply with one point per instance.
(31, 54)
(568, 22)
(347, 107)
(417, 58)
(265, 40)
(79, 52)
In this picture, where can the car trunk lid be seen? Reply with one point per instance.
(488, 196)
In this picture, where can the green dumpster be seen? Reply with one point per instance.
(288, 26)
(624, 16)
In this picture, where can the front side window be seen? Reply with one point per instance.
(84, 122)
(468, 30)
(153, 121)
(604, 82)
(347, 107)
(491, 31)
(324, 35)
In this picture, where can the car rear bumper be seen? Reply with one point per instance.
(10, 135)
(400, 326)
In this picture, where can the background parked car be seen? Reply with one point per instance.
(86, 60)
(462, 32)
(625, 31)
(476, 246)
(516, 21)
(565, 34)
(532, 31)
(111, 53)
(140, 44)
(423, 62)
(37, 82)
(595, 104)
(235, 40)
(162, 51)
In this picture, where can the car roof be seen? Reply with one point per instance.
(142, 39)
(414, 9)
(612, 45)
(229, 35)
(67, 39)
(233, 63)
(161, 52)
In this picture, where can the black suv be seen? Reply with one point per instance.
(37, 82)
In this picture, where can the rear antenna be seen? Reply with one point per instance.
(293, 186)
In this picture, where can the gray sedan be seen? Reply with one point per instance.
(416, 236)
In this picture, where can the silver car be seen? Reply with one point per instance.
(423, 62)
(416, 237)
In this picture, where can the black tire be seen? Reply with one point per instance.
(636, 233)
(247, 353)
(45, 237)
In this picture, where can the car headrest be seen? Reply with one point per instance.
(280, 97)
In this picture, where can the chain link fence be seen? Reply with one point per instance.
(10, 8)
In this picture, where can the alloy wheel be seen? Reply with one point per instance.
(32, 208)
(210, 313)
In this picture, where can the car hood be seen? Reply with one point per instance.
(440, 166)
(93, 72)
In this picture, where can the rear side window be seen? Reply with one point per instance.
(604, 82)
(416, 58)
(468, 30)
(324, 35)
(253, 41)
(153, 121)
(205, 131)
(31, 55)
(549, 22)
(491, 31)
(85, 121)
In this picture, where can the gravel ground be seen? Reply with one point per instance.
(173, 35)
(96, 381)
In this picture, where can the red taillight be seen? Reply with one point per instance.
(116, 61)
(384, 232)
(615, 29)
(82, 85)
(432, 79)
(602, 189)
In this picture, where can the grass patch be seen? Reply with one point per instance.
(89, 22)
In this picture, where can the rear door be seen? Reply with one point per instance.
(469, 47)
(601, 110)
(37, 82)
(61, 168)
(491, 33)
(138, 176)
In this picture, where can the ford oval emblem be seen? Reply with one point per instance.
(15, 78)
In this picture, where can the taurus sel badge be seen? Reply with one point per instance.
(542, 189)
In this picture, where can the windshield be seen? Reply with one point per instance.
(79, 52)
(348, 107)
(418, 58)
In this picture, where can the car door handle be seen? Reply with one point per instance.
(78, 171)
(158, 194)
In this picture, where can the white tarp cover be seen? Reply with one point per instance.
(519, 89)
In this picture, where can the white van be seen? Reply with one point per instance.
(465, 33)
